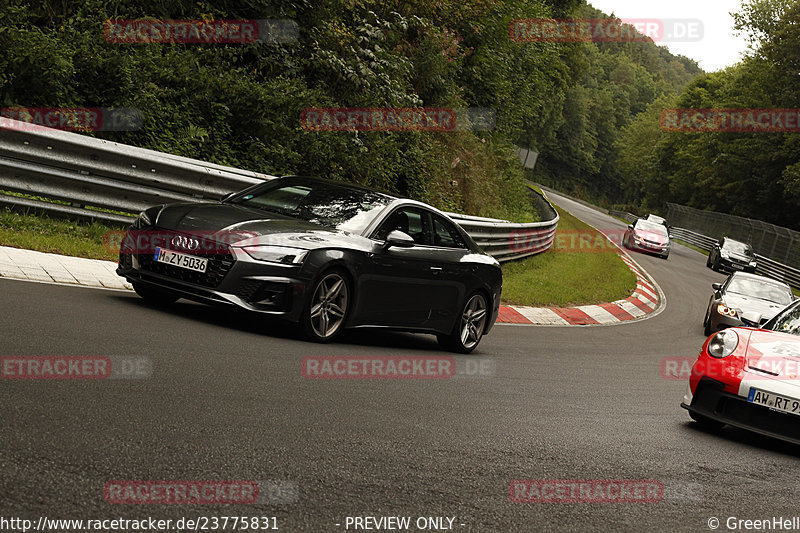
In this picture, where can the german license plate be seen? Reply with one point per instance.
(774, 401)
(189, 262)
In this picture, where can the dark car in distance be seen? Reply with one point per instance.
(325, 254)
(731, 255)
(745, 293)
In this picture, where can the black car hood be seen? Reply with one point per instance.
(238, 225)
(740, 257)
(745, 304)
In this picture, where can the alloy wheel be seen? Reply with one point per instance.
(329, 305)
(473, 320)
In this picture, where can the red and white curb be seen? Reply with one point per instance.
(645, 300)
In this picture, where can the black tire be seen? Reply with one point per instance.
(707, 322)
(154, 295)
(469, 327)
(708, 329)
(705, 422)
(665, 256)
(329, 300)
(708, 261)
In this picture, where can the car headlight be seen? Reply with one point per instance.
(276, 254)
(753, 264)
(142, 221)
(727, 311)
(723, 254)
(723, 343)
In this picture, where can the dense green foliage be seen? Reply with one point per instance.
(609, 85)
(755, 175)
(239, 104)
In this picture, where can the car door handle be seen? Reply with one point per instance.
(436, 270)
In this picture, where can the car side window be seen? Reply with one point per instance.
(413, 222)
(445, 234)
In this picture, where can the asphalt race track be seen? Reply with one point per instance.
(226, 401)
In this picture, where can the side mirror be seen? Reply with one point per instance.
(716, 286)
(630, 226)
(751, 318)
(399, 239)
(227, 196)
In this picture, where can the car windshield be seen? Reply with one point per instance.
(327, 204)
(652, 227)
(760, 289)
(736, 247)
(787, 321)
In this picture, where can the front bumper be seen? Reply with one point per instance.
(231, 279)
(735, 266)
(719, 321)
(712, 401)
(644, 246)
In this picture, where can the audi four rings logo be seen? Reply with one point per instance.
(187, 243)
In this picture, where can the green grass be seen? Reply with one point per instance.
(535, 188)
(561, 277)
(66, 237)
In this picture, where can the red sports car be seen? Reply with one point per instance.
(750, 377)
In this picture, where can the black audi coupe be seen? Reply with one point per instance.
(325, 254)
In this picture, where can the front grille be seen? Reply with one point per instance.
(218, 267)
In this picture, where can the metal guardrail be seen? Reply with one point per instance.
(624, 215)
(766, 266)
(90, 177)
(776, 242)
(693, 238)
(88, 173)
